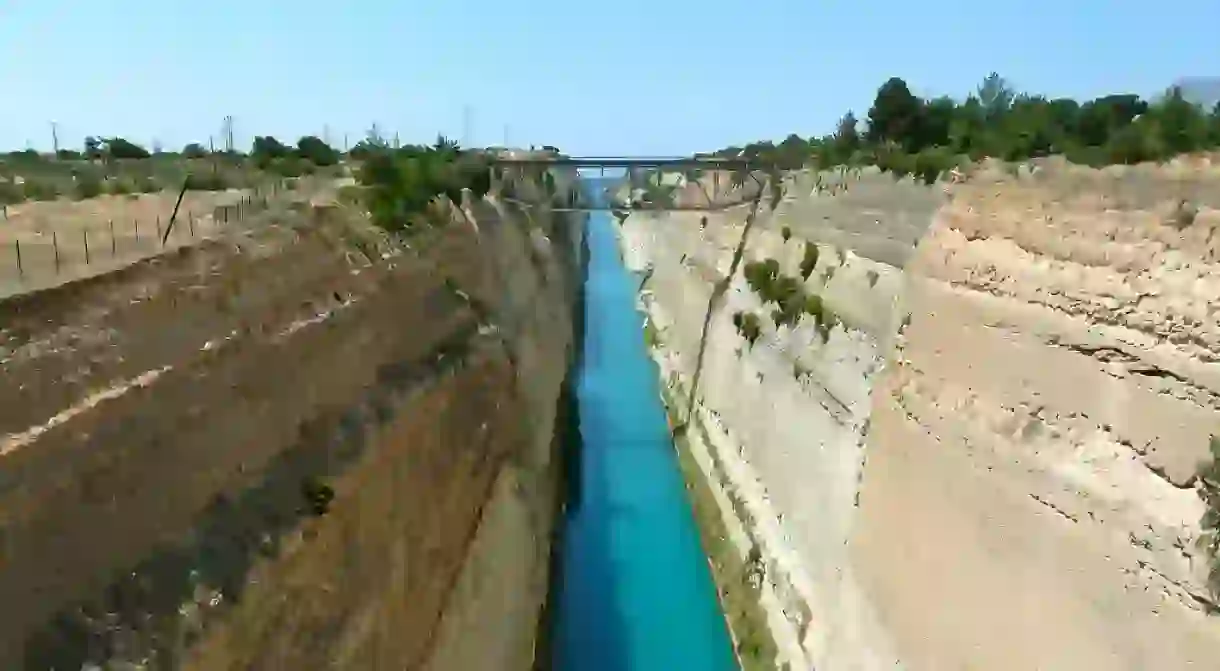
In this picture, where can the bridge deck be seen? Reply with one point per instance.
(637, 162)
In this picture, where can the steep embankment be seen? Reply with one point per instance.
(1008, 483)
(1034, 446)
(779, 425)
(268, 452)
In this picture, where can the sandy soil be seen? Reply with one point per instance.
(45, 244)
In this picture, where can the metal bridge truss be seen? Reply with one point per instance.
(747, 169)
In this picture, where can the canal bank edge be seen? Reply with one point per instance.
(501, 597)
(732, 552)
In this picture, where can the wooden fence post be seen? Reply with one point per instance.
(55, 247)
(20, 268)
(114, 245)
(85, 234)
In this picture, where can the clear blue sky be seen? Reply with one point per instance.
(632, 76)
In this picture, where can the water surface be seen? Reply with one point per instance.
(635, 590)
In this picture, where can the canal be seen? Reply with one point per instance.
(634, 590)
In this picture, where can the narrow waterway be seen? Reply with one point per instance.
(635, 591)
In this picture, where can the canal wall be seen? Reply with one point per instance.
(319, 453)
(983, 454)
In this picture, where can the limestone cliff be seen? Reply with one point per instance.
(1030, 498)
(779, 424)
(986, 460)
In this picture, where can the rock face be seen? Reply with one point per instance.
(784, 420)
(1029, 499)
(267, 453)
(988, 460)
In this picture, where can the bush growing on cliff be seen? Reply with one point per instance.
(401, 185)
(749, 326)
(809, 260)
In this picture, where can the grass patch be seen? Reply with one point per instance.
(809, 260)
(739, 596)
(652, 337)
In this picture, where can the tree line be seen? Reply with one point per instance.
(925, 136)
(264, 151)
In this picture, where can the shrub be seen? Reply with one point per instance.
(288, 166)
(117, 147)
(87, 186)
(809, 261)
(815, 308)
(314, 150)
(748, 326)
(119, 187)
(212, 180)
(401, 185)
(38, 190)
(147, 184)
(194, 150)
(930, 163)
(10, 193)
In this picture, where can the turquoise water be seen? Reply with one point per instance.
(635, 590)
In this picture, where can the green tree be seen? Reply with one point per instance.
(314, 150)
(1182, 125)
(1028, 128)
(266, 149)
(117, 147)
(846, 140)
(967, 130)
(894, 116)
(937, 123)
(1214, 126)
(995, 95)
(1102, 117)
(194, 150)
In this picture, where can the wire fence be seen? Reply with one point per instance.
(36, 253)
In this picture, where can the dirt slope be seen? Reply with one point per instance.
(172, 432)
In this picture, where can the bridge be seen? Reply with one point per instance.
(673, 163)
(603, 162)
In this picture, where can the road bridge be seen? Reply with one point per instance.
(683, 164)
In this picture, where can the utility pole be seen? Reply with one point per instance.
(227, 132)
(55, 137)
(211, 145)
